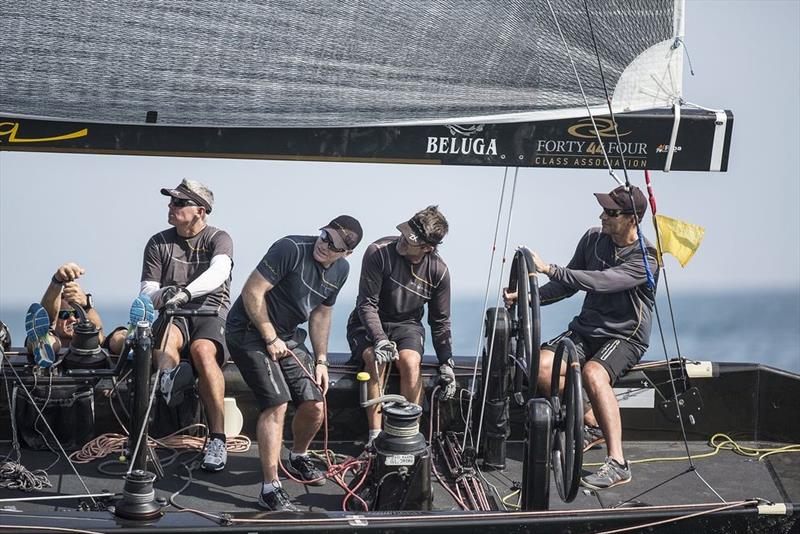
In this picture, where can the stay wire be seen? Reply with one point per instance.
(499, 293)
(650, 279)
(467, 426)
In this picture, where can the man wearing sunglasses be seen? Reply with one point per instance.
(298, 280)
(62, 291)
(612, 330)
(189, 266)
(399, 276)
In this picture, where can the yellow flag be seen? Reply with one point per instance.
(679, 238)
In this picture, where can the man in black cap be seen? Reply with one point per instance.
(189, 266)
(612, 331)
(399, 275)
(298, 280)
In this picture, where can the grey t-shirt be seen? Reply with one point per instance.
(172, 260)
(300, 284)
(618, 302)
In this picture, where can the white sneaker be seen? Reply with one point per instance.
(216, 455)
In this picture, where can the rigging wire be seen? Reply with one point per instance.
(499, 293)
(467, 426)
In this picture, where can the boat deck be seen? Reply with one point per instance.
(656, 482)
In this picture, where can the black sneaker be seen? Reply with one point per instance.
(173, 382)
(277, 501)
(592, 437)
(610, 474)
(303, 468)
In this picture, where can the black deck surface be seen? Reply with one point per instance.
(733, 477)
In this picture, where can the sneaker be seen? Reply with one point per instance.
(610, 474)
(277, 501)
(592, 437)
(173, 383)
(141, 310)
(303, 468)
(37, 329)
(216, 455)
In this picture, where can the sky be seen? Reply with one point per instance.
(99, 211)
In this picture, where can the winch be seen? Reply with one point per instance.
(400, 472)
(84, 348)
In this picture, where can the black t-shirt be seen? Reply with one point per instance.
(300, 283)
(393, 290)
(618, 302)
(172, 260)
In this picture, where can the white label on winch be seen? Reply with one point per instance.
(400, 459)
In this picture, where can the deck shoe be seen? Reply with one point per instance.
(276, 500)
(37, 329)
(174, 382)
(610, 474)
(592, 437)
(141, 310)
(302, 467)
(216, 455)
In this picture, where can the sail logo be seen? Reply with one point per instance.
(462, 142)
(10, 129)
(601, 127)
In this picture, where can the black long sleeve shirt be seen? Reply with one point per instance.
(618, 302)
(393, 290)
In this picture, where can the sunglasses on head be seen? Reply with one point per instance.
(181, 202)
(329, 241)
(612, 213)
(66, 314)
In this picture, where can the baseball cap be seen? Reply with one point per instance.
(620, 199)
(192, 190)
(345, 231)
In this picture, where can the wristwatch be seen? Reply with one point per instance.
(326, 363)
(89, 302)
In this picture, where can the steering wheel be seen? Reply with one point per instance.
(524, 282)
(567, 430)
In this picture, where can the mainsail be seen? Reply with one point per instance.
(322, 65)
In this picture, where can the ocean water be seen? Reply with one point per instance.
(726, 327)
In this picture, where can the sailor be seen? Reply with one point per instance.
(399, 275)
(298, 280)
(189, 266)
(61, 293)
(612, 330)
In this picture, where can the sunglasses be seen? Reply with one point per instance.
(66, 314)
(328, 241)
(612, 213)
(181, 202)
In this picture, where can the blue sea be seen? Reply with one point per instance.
(725, 327)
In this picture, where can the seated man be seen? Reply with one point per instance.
(298, 280)
(189, 266)
(399, 275)
(612, 331)
(56, 310)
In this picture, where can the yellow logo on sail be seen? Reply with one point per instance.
(10, 129)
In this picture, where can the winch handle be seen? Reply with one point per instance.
(364, 400)
(176, 312)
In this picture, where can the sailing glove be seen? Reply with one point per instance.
(447, 381)
(175, 297)
(385, 351)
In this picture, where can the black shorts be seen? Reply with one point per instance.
(617, 356)
(274, 383)
(194, 328)
(408, 336)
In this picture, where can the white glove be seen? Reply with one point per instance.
(447, 381)
(385, 351)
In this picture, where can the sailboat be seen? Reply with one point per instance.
(544, 83)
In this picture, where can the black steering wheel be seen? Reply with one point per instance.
(568, 424)
(524, 282)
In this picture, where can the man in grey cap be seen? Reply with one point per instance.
(612, 330)
(297, 280)
(189, 266)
